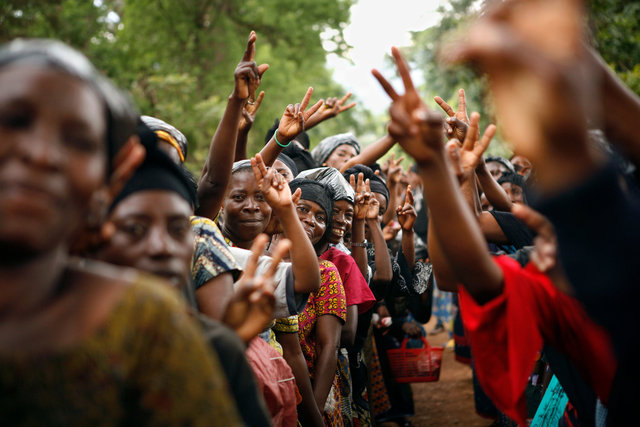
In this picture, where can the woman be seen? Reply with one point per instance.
(336, 150)
(81, 343)
(321, 321)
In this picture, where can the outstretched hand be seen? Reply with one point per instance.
(249, 112)
(540, 81)
(413, 125)
(407, 213)
(458, 121)
(473, 146)
(294, 118)
(361, 197)
(394, 169)
(271, 184)
(248, 75)
(252, 305)
(329, 109)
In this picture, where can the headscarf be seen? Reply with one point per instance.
(159, 172)
(376, 183)
(169, 134)
(323, 150)
(332, 178)
(318, 193)
(121, 117)
(506, 163)
(240, 165)
(288, 162)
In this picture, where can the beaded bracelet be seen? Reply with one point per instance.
(359, 245)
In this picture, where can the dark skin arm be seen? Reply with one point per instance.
(348, 334)
(456, 126)
(308, 410)
(371, 153)
(246, 122)
(407, 218)
(304, 261)
(383, 274)
(419, 131)
(214, 180)
(359, 253)
(250, 309)
(328, 329)
(214, 295)
(394, 172)
(291, 124)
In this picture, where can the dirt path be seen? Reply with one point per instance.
(449, 401)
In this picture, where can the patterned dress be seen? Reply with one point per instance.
(330, 299)
(147, 365)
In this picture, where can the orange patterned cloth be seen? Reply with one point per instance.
(329, 299)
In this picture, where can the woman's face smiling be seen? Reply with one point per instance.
(52, 156)
(342, 219)
(341, 155)
(245, 212)
(313, 219)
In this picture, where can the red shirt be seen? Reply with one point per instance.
(507, 332)
(356, 288)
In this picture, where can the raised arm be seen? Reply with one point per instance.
(244, 126)
(383, 274)
(330, 109)
(358, 249)
(291, 124)
(304, 261)
(371, 153)
(407, 218)
(214, 180)
(420, 133)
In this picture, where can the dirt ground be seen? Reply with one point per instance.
(449, 401)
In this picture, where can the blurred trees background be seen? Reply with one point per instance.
(177, 58)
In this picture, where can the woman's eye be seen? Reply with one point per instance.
(237, 197)
(179, 228)
(82, 143)
(135, 230)
(259, 197)
(321, 219)
(15, 120)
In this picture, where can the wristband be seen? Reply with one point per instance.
(275, 135)
(359, 245)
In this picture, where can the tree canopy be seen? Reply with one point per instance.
(177, 59)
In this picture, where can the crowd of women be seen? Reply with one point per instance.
(269, 290)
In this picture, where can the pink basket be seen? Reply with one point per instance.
(415, 365)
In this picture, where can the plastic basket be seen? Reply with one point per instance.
(415, 365)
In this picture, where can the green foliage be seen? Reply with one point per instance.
(615, 32)
(616, 35)
(178, 58)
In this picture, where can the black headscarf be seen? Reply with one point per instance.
(159, 172)
(288, 162)
(121, 117)
(376, 183)
(319, 193)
